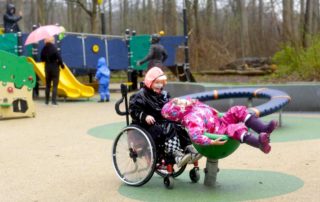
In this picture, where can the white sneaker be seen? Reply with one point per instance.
(181, 158)
(195, 156)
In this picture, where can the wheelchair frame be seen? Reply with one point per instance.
(139, 151)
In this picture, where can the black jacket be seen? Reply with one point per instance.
(157, 55)
(10, 20)
(147, 102)
(52, 58)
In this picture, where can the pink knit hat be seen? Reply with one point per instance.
(155, 73)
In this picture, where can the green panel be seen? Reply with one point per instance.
(139, 48)
(28, 49)
(218, 151)
(9, 43)
(16, 69)
(24, 71)
(6, 70)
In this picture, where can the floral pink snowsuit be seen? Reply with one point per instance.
(199, 118)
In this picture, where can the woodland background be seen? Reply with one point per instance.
(220, 31)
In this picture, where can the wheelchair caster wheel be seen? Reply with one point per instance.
(194, 175)
(168, 181)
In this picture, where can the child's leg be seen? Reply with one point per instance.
(101, 92)
(173, 144)
(258, 126)
(107, 92)
(262, 141)
(240, 132)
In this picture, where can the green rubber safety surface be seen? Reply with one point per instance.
(295, 128)
(108, 131)
(236, 185)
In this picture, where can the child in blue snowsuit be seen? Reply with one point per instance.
(103, 76)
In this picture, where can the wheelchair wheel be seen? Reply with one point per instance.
(176, 171)
(194, 175)
(134, 156)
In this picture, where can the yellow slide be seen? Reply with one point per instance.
(68, 86)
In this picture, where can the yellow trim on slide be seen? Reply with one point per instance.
(68, 86)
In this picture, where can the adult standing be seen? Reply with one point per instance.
(157, 54)
(10, 20)
(53, 62)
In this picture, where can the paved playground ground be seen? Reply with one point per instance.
(64, 154)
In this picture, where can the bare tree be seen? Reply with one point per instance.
(244, 34)
(110, 30)
(307, 24)
(287, 20)
(91, 12)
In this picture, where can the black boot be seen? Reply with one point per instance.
(258, 126)
(262, 141)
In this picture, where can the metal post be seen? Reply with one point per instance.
(20, 46)
(107, 51)
(211, 172)
(58, 42)
(84, 51)
(280, 118)
(131, 71)
(103, 22)
(250, 102)
(35, 47)
(186, 66)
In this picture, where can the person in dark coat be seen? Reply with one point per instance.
(157, 54)
(53, 62)
(10, 20)
(145, 110)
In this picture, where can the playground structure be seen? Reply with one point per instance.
(135, 147)
(68, 86)
(81, 51)
(17, 80)
(277, 100)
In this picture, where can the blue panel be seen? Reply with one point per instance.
(91, 56)
(118, 54)
(71, 51)
(171, 44)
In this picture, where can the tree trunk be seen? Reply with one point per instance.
(287, 20)
(208, 19)
(70, 17)
(41, 13)
(261, 25)
(307, 24)
(125, 14)
(315, 17)
(93, 17)
(110, 30)
(244, 34)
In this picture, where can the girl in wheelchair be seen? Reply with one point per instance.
(199, 118)
(145, 109)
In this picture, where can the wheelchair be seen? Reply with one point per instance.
(135, 158)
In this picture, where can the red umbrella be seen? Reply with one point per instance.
(43, 32)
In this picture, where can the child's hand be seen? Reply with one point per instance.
(218, 141)
(150, 120)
